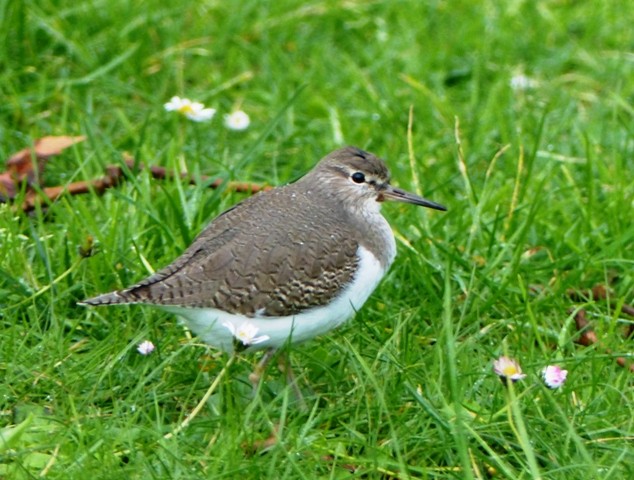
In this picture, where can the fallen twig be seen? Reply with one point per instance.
(115, 175)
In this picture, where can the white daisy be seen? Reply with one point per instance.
(508, 369)
(246, 333)
(237, 120)
(145, 347)
(195, 111)
(521, 82)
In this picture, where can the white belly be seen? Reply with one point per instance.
(207, 323)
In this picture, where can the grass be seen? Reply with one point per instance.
(539, 188)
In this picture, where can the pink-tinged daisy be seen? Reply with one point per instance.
(237, 120)
(554, 376)
(145, 347)
(195, 111)
(246, 333)
(508, 369)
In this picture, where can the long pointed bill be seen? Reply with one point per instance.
(397, 195)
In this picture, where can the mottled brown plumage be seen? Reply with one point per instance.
(241, 264)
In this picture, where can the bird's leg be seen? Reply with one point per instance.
(284, 364)
(256, 375)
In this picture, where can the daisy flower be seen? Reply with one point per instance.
(508, 369)
(195, 111)
(237, 121)
(246, 333)
(521, 82)
(554, 376)
(145, 347)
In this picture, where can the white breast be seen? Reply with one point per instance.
(208, 323)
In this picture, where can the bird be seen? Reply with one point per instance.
(285, 265)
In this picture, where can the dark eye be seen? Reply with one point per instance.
(358, 177)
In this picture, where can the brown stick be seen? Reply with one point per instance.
(115, 175)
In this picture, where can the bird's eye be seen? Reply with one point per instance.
(358, 177)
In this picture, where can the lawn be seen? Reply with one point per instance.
(517, 115)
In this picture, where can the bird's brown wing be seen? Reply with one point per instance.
(243, 264)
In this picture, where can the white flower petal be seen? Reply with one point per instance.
(522, 82)
(229, 326)
(260, 339)
(176, 103)
(246, 333)
(145, 347)
(237, 121)
(201, 114)
(194, 111)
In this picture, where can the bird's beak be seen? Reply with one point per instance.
(391, 193)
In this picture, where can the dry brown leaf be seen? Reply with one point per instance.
(20, 165)
(587, 336)
(7, 186)
(598, 292)
(21, 162)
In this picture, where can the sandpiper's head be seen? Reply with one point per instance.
(359, 176)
